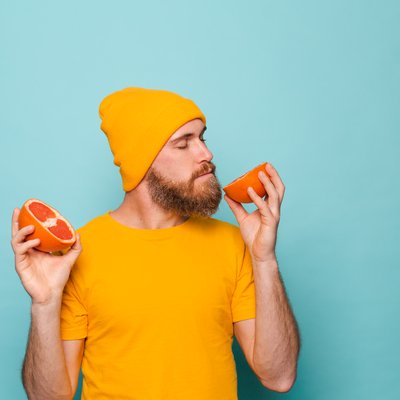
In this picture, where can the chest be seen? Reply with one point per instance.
(157, 286)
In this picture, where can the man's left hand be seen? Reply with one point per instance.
(259, 228)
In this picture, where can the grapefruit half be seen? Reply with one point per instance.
(237, 189)
(53, 230)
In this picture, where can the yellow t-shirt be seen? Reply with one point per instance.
(157, 309)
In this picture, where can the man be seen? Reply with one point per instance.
(151, 305)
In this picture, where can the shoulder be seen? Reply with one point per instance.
(94, 232)
(219, 224)
(92, 225)
(222, 229)
(92, 239)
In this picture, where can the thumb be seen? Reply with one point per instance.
(74, 251)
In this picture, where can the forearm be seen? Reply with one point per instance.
(44, 371)
(276, 344)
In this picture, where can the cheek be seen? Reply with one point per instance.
(174, 168)
(180, 173)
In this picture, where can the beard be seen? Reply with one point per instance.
(189, 198)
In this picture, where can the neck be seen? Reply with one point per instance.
(139, 211)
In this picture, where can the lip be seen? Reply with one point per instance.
(205, 175)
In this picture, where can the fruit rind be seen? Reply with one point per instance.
(237, 189)
(51, 243)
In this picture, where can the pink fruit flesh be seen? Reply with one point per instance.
(40, 211)
(61, 230)
(43, 213)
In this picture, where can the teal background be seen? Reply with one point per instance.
(311, 86)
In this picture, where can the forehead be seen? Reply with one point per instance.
(193, 126)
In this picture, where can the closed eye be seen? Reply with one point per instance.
(188, 136)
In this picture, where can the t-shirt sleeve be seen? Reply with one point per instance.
(73, 312)
(244, 299)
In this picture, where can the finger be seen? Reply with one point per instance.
(21, 236)
(276, 180)
(74, 251)
(237, 209)
(14, 222)
(262, 206)
(77, 246)
(23, 248)
(273, 196)
(23, 233)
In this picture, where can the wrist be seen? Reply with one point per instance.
(270, 262)
(52, 301)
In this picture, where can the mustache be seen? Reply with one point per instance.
(207, 167)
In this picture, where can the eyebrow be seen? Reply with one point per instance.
(187, 135)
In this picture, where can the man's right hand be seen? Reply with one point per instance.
(43, 275)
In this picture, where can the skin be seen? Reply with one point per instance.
(191, 154)
(51, 366)
(270, 342)
(45, 372)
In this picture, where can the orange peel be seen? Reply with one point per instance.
(237, 189)
(53, 230)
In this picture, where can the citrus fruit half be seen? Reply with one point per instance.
(53, 230)
(237, 189)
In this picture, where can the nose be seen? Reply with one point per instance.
(204, 153)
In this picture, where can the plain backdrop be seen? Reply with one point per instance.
(311, 86)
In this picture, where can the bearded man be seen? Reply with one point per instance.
(149, 309)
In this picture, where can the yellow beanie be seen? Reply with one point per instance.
(138, 122)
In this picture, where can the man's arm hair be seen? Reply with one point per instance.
(44, 371)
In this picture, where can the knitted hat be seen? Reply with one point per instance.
(138, 122)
